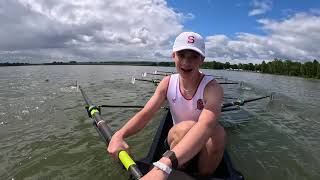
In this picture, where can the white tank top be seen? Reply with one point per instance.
(183, 109)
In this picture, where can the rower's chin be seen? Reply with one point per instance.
(188, 75)
(186, 71)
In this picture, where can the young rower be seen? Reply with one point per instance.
(195, 104)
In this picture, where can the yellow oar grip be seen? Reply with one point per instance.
(126, 159)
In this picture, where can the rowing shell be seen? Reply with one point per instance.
(224, 171)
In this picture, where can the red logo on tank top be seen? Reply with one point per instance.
(200, 105)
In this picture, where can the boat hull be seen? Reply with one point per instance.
(225, 169)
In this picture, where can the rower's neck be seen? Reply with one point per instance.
(190, 83)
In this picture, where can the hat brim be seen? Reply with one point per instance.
(190, 48)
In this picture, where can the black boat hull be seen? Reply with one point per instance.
(225, 169)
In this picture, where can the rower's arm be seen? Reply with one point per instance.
(141, 119)
(199, 134)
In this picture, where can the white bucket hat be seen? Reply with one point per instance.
(189, 40)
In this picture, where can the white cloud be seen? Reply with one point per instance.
(101, 29)
(260, 7)
(47, 30)
(296, 38)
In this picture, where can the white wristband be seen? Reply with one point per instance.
(162, 167)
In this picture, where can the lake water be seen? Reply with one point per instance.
(45, 132)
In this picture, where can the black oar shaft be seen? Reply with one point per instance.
(229, 109)
(121, 106)
(129, 106)
(106, 134)
(104, 130)
(228, 104)
(224, 105)
(240, 103)
(167, 72)
(157, 81)
(254, 99)
(228, 83)
(148, 80)
(158, 74)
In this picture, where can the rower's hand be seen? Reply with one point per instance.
(116, 144)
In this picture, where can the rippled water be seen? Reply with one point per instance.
(45, 132)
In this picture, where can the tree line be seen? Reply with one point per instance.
(310, 69)
(277, 66)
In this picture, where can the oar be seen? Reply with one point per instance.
(154, 81)
(228, 83)
(230, 109)
(224, 106)
(230, 98)
(156, 74)
(164, 107)
(106, 134)
(128, 106)
(157, 81)
(166, 72)
(121, 106)
(241, 102)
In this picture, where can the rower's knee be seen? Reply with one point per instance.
(213, 150)
(220, 137)
(217, 142)
(178, 131)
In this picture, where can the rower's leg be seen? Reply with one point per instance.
(177, 132)
(211, 155)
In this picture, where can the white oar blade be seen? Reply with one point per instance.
(133, 80)
(144, 74)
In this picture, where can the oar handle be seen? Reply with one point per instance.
(129, 164)
(125, 159)
(106, 134)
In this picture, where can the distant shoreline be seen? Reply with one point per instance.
(277, 66)
(137, 63)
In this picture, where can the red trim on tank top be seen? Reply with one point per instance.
(168, 87)
(194, 92)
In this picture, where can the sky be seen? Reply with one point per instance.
(237, 31)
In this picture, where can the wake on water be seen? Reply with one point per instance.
(74, 87)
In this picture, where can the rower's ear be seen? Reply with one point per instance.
(202, 59)
(173, 55)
